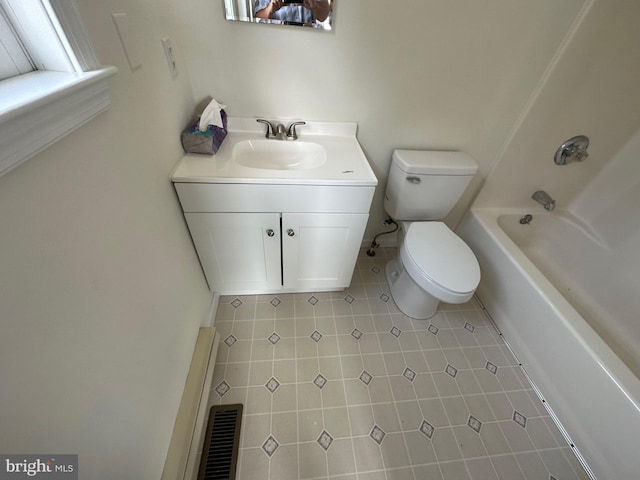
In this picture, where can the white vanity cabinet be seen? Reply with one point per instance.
(238, 251)
(254, 238)
(319, 250)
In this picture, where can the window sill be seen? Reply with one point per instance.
(39, 108)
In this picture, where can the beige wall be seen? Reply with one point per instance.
(101, 294)
(592, 89)
(422, 74)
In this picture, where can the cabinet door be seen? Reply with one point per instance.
(239, 252)
(319, 251)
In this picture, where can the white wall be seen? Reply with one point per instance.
(609, 204)
(592, 90)
(417, 74)
(101, 294)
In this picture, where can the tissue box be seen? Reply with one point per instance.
(208, 142)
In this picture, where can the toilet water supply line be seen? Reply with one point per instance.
(374, 244)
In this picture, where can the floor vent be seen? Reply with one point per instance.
(220, 452)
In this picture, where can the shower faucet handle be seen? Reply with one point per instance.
(573, 150)
(580, 155)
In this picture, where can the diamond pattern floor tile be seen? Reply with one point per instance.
(342, 385)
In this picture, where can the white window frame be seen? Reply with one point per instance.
(69, 88)
(13, 57)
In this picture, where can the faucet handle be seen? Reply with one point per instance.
(573, 150)
(271, 131)
(291, 130)
(581, 155)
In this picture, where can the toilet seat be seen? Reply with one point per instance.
(440, 262)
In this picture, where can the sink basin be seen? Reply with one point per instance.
(279, 154)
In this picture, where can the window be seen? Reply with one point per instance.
(14, 59)
(50, 79)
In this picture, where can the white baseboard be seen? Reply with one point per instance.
(213, 308)
(185, 448)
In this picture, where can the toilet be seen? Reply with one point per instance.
(433, 265)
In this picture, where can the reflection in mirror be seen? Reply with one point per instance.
(304, 13)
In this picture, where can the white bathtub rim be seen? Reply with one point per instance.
(608, 361)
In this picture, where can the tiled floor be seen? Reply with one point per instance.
(342, 385)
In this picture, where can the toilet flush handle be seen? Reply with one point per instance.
(414, 180)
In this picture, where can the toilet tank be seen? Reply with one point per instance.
(425, 185)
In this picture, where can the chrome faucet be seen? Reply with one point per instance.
(573, 150)
(291, 130)
(271, 131)
(279, 131)
(544, 199)
(280, 134)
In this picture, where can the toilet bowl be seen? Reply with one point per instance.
(434, 265)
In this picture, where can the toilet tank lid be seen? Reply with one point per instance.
(433, 162)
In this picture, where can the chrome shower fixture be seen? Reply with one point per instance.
(544, 199)
(573, 150)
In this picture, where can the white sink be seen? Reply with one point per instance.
(279, 154)
(325, 153)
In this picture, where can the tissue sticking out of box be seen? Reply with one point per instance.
(207, 141)
(211, 116)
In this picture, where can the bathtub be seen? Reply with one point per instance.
(567, 307)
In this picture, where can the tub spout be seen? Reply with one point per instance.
(544, 199)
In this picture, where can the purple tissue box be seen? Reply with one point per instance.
(208, 142)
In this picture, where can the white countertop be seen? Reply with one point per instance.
(346, 163)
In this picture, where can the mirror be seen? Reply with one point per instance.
(304, 13)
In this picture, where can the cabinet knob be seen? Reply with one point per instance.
(270, 233)
(290, 232)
